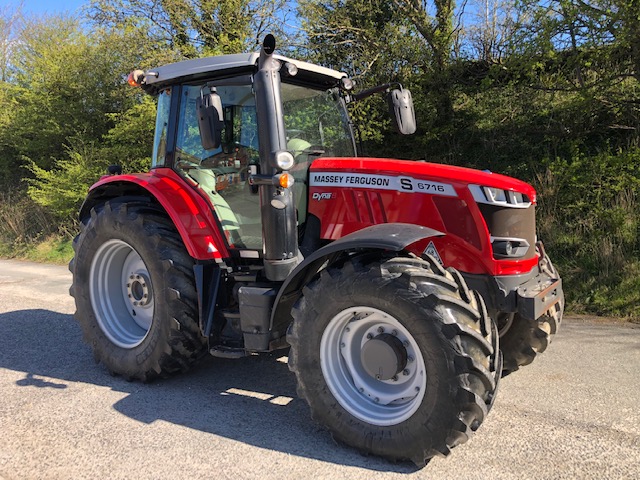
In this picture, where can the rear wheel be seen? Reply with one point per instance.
(396, 357)
(134, 290)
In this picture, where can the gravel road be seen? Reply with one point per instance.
(574, 413)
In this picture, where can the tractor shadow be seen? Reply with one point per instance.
(251, 400)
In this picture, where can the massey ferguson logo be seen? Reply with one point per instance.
(323, 196)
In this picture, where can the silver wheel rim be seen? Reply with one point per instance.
(121, 293)
(374, 401)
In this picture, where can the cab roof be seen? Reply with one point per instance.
(231, 65)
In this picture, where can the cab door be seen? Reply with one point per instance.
(222, 174)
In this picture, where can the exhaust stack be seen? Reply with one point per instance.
(277, 207)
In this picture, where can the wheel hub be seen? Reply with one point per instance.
(373, 365)
(384, 356)
(138, 290)
(121, 293)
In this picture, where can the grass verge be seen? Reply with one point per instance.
(53, 249)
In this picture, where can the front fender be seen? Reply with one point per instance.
(390, 237)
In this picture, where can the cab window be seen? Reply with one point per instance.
(223, 173)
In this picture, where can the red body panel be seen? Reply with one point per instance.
(343, 206)
(348, 208)
(190, 212)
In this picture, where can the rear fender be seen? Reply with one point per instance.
(190, 213)
(389, 237)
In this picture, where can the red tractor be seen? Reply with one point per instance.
(258, 228)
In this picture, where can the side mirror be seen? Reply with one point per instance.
(210, 121)
(401, 109)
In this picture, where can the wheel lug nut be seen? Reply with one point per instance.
(394, 333)
(394, 378)
(369, 336)
(361, 390)
(405, 372)
(405, 344)
(380, 330)
(129, 295)
(342, 345)
(417, 389)
(377, 400)
(409, 359)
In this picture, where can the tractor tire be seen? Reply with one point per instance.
(395, 357)
(134, 289)
(524, 339)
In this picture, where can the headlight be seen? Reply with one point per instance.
(495, 195)
(498, 196)
(291, 69)
(347, 83)
(509, 247)
(283, 160)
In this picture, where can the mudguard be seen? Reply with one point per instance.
(188, 210)
(394, 237)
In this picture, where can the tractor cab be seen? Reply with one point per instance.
(244, 129)
(316, 124)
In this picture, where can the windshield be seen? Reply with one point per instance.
(316, 122)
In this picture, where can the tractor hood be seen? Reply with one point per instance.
(405, 176)
(488, 220)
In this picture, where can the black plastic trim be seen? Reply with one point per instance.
(529, 295)
(207, 278)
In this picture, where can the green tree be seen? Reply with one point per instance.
(10, 20)
(130, 141)
(51, 93)
(194, 28)
(586, 52)
(438, 32)
(62, 187)
(374, 45)
(71, 112)
(65, 82)
(414, 42)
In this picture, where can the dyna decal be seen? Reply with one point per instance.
(323, 196)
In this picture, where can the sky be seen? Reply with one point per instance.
(39, 7)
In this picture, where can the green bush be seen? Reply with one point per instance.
(589, 219)
(62, 189)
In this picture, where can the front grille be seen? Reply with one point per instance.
(511, 223)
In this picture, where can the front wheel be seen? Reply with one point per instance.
(522, 339)
(395, 357)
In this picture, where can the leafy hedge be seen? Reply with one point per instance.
(558, 111)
